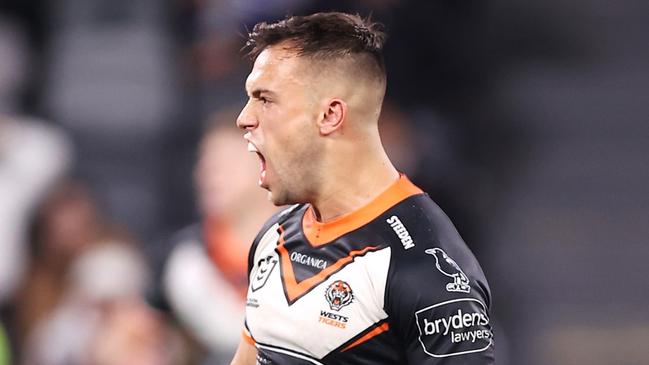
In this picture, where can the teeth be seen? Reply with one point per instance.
(252, 148)
(261, 178)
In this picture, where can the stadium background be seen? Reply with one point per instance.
(526, 121)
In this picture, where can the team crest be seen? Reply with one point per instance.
(339, 294)
(447, 266)
(264, 267)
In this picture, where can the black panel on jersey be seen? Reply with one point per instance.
(277, 218)
(274, 355)
(439, 322)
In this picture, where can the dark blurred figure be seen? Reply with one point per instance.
(26, 23)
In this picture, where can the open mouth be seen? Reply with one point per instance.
(262, 165)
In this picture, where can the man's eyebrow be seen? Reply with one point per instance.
(257, 92)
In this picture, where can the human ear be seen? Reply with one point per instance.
(333, 117)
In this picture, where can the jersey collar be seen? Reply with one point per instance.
(318, 233)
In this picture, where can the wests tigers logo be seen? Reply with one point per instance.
(339, 294)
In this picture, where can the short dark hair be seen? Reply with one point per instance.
(322, 36)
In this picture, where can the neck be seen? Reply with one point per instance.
(353, 182)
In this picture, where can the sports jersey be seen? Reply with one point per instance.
(390, 283)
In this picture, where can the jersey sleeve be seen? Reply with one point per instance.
(437, 298)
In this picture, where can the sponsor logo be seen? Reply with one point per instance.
(308, 260)
(252, 302)
(264, 267)
(333, 319)
(447, 266)
(339, 294)
(401, 232)
(454, 327)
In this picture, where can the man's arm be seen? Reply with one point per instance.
(246, 354)
(437, 296)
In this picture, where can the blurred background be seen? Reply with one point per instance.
(125, 220)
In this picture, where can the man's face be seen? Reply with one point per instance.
(280, 123)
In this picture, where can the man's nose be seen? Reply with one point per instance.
(246, 119)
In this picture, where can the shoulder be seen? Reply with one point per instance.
(270, 228)
(430, 262)
(436, 291)
(279, 218)
(418, 225)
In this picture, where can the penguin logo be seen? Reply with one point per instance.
(447, 266)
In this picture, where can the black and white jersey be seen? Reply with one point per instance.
(391, 283)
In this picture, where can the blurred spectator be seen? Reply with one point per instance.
(204, 279)
(101, 318)
(33, 156)
(131, 334)
(84, 279)
(399, 138)
(66, 223)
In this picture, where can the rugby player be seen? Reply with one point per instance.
(363, 268)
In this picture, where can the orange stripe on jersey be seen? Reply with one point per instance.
(368, 336)
(318, 233)
(294, 289)
(247, 337)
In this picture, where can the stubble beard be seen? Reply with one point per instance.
(298, 178)
(283, 194)
(298, 184)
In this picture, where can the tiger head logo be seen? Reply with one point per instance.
(339, 294)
